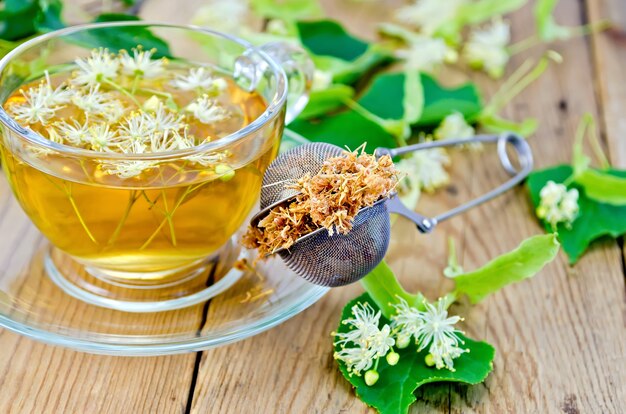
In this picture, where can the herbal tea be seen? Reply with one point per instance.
(136, 215)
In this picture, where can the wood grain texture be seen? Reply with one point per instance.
(559, 337)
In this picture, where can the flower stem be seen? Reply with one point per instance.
(132, 198)
(122, 90)
(68, 192)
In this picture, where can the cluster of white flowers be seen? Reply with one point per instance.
(454, 126)
(487, 48)
(364, 342)
(432, 329)
(436, 26)
(557, 204)
(40, 103)
(426, 169)
(106, 115)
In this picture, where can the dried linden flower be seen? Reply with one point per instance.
(330, 199)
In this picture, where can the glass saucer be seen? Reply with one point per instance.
(33, 305)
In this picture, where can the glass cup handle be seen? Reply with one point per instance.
(299, 68)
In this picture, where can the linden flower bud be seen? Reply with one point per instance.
(557, 204)
(392, 358)
(371, 377)
(430, 360)
(225, 172)
(403, 341)
(151, 104)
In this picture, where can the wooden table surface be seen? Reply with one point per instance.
(560, 337)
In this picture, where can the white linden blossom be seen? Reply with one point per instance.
(162, 120)
(98, 66)
(207, 110)
(426, 168)
(370, 342)
(487, 48)
(321, 80)
(40, 103)
(431, 328)
(426, 53)
(74, 133)
(142, 64)
(133, 128)
(428, 15)
(557, 204)
(100, 136)
(100, 104)
(223, 15)
(199, 79)
(128, 168)
(454, 126)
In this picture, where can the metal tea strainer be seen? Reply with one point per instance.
(343, 259)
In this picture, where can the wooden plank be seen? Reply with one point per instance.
(552, 353)
(609, 55)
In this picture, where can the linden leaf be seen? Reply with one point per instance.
(519, 264)
(287, 9)
(326, 100)
(547, 29)
(595, 219)
(384, 289)
(397, 96)
(604, 186)
(346, 129)
(335, 51)
(393, 393)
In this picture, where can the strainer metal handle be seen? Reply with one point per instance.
(524, 158)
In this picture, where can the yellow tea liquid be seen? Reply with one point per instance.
(164, 218)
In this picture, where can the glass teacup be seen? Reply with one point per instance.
(121, 224)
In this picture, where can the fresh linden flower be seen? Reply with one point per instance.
(454, 126)
(207, 110)
(321, 80)
(142, 64)
(40, 103)
(557, 204)
(432, 329)
(98, 66)
(134, 128)
(426, 168)
(129, 168)
(100, 136)
(74, 133)
(162, 120)
(487, 48)
(364, 342)
(224, 15)
(426, 53)
(199, 79)
(99, 104)
(428, 15)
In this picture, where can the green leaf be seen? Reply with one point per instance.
(346, 129)
(604, 186)
(287, 9)
(334, 50)
(384, 289)
(394, 391)
(476, 12)
(329, 38)
(547, 29)
(595, 219)
(326, 100)
(522, 263)
(440, 102)
(117, 38)
(396, 96)
(17, 18)
(49, 17)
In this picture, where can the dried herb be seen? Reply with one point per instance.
(330, 199)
